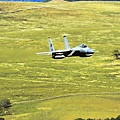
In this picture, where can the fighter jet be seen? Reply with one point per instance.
(82, 50)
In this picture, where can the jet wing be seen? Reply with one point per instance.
(60, 51)
(72, 52)
(50, 53)
(69, 52)
(44, 53)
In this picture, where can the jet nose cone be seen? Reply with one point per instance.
(90, 51)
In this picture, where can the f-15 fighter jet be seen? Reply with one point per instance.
(82, 50)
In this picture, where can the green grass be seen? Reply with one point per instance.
(69, 108)
(25, 76)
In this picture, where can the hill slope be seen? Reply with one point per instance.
(89, 86)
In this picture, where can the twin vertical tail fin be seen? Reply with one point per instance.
(66, 44)
(51, 47)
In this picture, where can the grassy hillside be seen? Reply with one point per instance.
(42, 88)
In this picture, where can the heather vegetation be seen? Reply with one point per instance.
(41, 88)
(5, 107)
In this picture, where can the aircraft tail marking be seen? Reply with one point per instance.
(66, 44)
(51, 47)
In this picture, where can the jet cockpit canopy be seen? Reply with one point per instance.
(83, 45)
